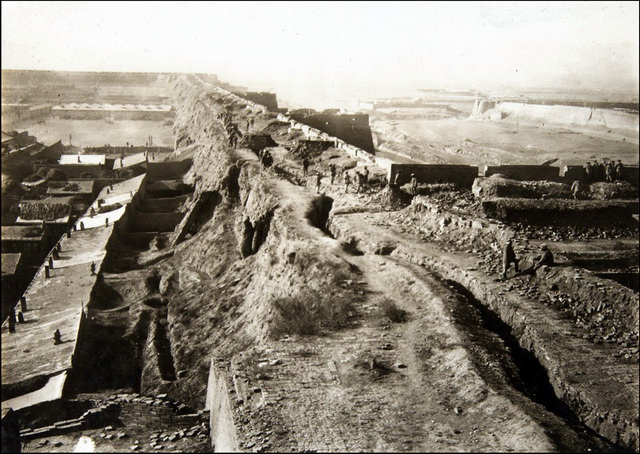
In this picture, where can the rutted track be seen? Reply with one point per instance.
(579, 386)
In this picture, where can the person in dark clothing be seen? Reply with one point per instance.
(305, 166)
(57, 337)
(508, 257)
(618, 169)
(413, 185)
(332, 169)
(588, 169)
(546, 259)
(598, 171)
(609, 171)
(347, 181)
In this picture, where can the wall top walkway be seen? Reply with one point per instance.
(57, 303)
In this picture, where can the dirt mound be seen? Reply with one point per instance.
(275, 127)
(617, 190)
(391, 197)
(503, 187)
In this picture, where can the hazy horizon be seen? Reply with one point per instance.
(336, 49)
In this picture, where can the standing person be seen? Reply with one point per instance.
(619, 169)
(609, 171)
(588, 169)
(575, 189)
(359, 181)
(365, 175)
(305, 166)
(57, 337)
(347, 181)
(598, 170)
(332, 168)
(318, 178)
(413, 185)
(508, 257)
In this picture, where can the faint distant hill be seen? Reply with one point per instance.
(55, 87)
(20, 77)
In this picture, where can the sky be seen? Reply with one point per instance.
(333, 49)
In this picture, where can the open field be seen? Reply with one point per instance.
(92, 133)
(524, 144)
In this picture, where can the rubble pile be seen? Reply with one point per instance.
(617, 190)
(498, 186)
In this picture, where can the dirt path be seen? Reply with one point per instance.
(437, 382)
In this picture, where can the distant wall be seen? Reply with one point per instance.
(75, 170)
(461, 175)
(98, 114)
(353, 129)
(525, 172)
(266, 99)
(223, 432)
(126, 150)
(572, 173)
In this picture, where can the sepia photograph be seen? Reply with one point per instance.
(320, 226)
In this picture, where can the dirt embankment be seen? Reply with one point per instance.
(255, 259)
(245, 253)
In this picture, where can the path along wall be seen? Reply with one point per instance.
(223, 431)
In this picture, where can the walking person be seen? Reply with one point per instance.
(332, 169)
(575, 189)
(588, 169)
(347, 181)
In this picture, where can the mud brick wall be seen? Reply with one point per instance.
(168, 170)
(460, 175)
(525, 172)
(353, 129)
(631, 174)
(163, 205)
(571, 173)
(153, 222)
